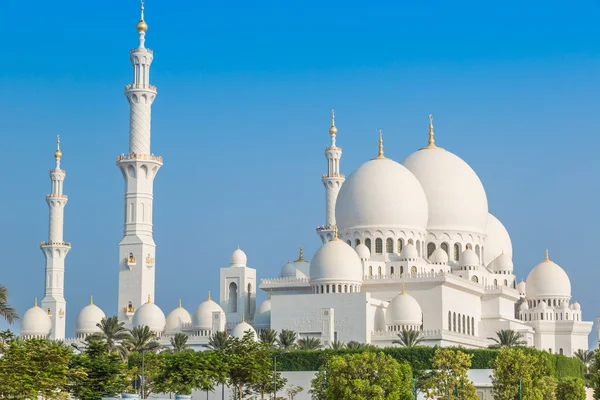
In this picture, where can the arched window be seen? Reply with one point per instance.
(468, 326)
(349, 242)
(339, 288)
(419, 247)
(389, 245)
(475, 279)
(495, 282)
(560, 351)
(444, 247)
(233, 297)
(327, 288)
(472, 326)
(449, 321)
(371, 270)
(392, 270)
(413, 270)
(477, 251)
(322, 291)
(454, 322)
(456, 252)
(464, 325)
(345, 288)
(401, 270)
(567, 316)
(357, 242)
(458, 322)
(379, 271)
(400, 245)
(505, 282)
(430, 249)
(378, 246)
(542, 316)
(368, 243)
(249, 298)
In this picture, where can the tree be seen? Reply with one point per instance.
(219, 340)
(586, 356)
(409, 338)
(293, 391)
(337, 345)
(508, 338)
(179, 343)
(356, 345)
(521, 364)
(287, 339)
(152, 368)
(362, 376)
(5, 337)
(268, 337)
(448, 379)
(570, 389)
(113, 333)
(309, 343)
(6, 311)
(104, 373)
(142, 339)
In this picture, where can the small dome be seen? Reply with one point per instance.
(497, 240)
(543, 305)
(262, 318)
(522, 288)
(203, 315)
(548, 279)
(177, 319)
(404, 310)
(35, 322)
(88, 318)
(150, 315)
(363, 251)
(241, 328)
(302, 265)
(502, 263)
(336, 262)
(409, 252)
(288, 271)
(564, 305)
(238, 258)
(468, 258)
(524, 306)
(439, 256)
(576, 306)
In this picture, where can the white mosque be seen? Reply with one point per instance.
(405, 245)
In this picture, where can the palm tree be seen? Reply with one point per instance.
(508, 338)
(6, 311)
(585, 356)
(142, 339)
(113, 333)
(309, 343)
(362, 346)
(337, 345)
(409, 338)
(268, 337)
(179, 343)
(287, 339)
(219, 340)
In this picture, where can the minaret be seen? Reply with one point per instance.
(55, 251)
(139, 168)
(332, 181)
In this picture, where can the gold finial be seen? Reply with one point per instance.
(380, 154)
(238, 247)
(431, 144)
(209, 296)
(243, 318)
(547, 258)
(335, 233)
(58, 153)
(333, 129)
(149, 300)
(179, 306)
(403, 291)
(300, 257)
(270, 293)
(35, 302)
(142, 26)
(91, 300)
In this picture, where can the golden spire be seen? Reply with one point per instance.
(547, 258)
(335, 233)
(300, 257)
(333, 129)
(270, 293)
(380, 154)
(209, 296)
(179, 306)
(58, 153)
(403, 291)
(142, 26)
(431, 144)
(243, 318)
(91, 300)
(35, 302)
(149, 300)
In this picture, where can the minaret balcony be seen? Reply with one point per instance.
(57, 196)
(150, 157)
(130, 262)
(325, 228)
(61, 244)
(140, 86)
(150, 261)
(324, 176)
(141, 50)
(129, 310)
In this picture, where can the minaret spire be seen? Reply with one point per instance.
(139, 168)
(55, 250)
(380, 154)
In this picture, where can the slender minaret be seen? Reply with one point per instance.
(139, 167)
(332, 181)
(55, 251)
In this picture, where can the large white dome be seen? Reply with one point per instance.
(381, 194)
(35, 323)
(404, 310)
(88, 318)
(240, 329)
(497, 240)
(177, 320)
(548, 280)
(204, 312)
(336, 262)
(455, 195)
(150, 315)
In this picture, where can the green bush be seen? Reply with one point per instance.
(570, 389)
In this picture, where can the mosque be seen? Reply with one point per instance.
(406, 244)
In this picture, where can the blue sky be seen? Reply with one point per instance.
(241, 119)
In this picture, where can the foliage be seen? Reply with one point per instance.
(113, 333)
(6, 311)
(219, 340)
(105, 374)
(142, 339)
(152, 368)
(362, 376)
(287, 339)
(309, 343)
(35, 367)
(586, 356)
(357, 345)
(293, 391)
(337, 345)
(179, 343)
(570, 389)
(5, 337)
(409, 338)
(529, 367)
(448, 379)
(268, 337)
(508, 338)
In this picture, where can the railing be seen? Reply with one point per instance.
(283, 280)
(57, 196)
(66, 244)
(140, 86)
(428, 333)
(150, 260)
(150, 157)
(333, 176)
(407, 275)
(141, 50)
(325, 228)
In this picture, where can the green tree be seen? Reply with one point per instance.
(362, 376)
(6, 311)
(113, 333)
(293, 391)
(337, 345)
(508, 338)
(527, 366)
(219, 340)
(448, 379)
(179, 343)
(357, 345)
(287, 339)
(268, 337)
(142, 339)
(309, 343)
(586, 357)
(409, 338)
(152, 368)
(5, 337)
(105, 375)
(570, 389)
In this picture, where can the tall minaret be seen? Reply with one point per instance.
(139, 167)
(55, 251)
(332, 181)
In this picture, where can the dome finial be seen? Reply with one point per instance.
(149, 300)
(209, 296)
(547, 258)
(91, 300)
(243, 318)
(335, 233)
(333, 130)
(270, 293)
(179, 306)
(300, 256)
(35, 302)
(403, 291)
(58, 153)
(380, 154)
(431, 144)
(142, 26)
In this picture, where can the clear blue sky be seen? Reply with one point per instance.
(241, 119)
